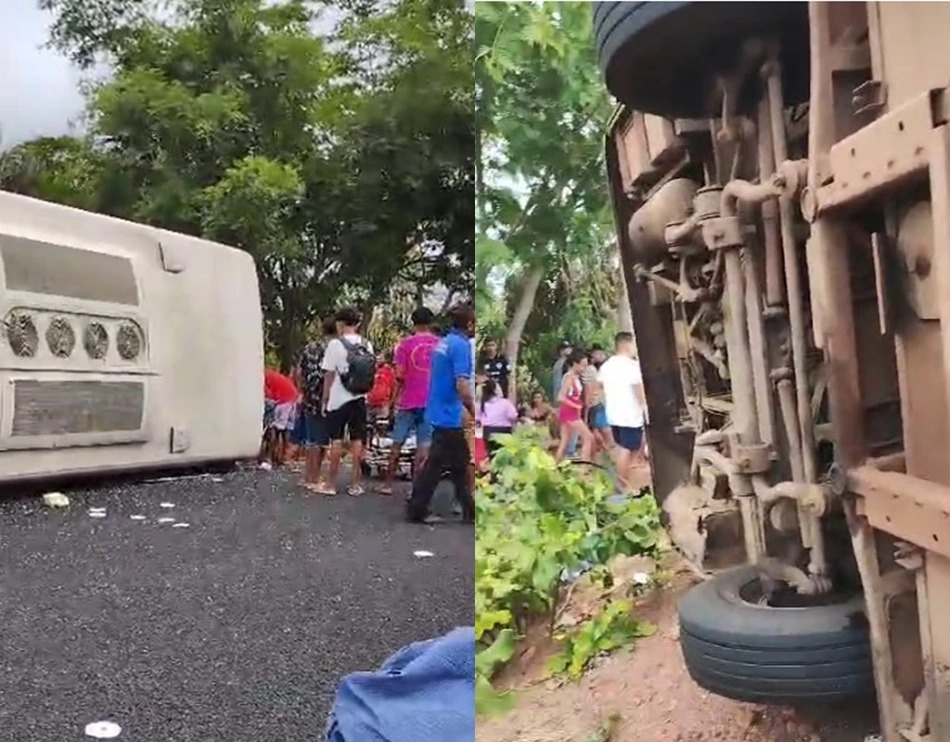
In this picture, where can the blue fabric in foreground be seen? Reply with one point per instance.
(423, 693)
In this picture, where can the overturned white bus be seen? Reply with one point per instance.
(124, 347)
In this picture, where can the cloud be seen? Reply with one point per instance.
(39, 88)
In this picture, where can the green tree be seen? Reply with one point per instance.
(234, 120)
(542, 212)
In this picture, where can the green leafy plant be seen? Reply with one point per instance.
(539, 522)
(613, 627)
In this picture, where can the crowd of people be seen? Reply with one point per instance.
(599, 408)
(340, 391)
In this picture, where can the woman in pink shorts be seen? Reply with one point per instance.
(571, 408)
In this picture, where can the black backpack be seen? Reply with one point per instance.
(361, 368)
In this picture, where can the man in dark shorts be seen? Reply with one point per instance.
(315, 437)
(594, 400)
(622, 384)
(450, 399)
(344, 403)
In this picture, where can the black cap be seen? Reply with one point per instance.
(566, 344)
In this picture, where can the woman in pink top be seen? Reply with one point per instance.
(497, 415)
(571, 407)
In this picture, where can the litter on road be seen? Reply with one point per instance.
(181, 525)
(103, 730)
(55, 500)
(136, 517)
(166, 505)
(166, 520)
(422, 554)
(97, 513)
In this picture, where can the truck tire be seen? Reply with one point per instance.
(661, 57)
(736, 647)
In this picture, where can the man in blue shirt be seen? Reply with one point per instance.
(450, 396)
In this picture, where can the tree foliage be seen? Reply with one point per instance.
(337, 153)
(542, 200)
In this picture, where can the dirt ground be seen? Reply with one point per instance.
(649, 697)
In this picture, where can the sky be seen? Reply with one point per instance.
(39, 89)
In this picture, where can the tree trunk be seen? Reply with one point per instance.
(529, 290)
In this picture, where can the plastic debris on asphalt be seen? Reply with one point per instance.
(97, 512)
(422, 554)
(181, 525)
(103, 730)
(55, 500)
(166, 520)
(137, 517)
(166, 505)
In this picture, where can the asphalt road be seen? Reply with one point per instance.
(234, 629)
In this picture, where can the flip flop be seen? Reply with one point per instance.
(321, 488)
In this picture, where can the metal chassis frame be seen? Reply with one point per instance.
(887, 506)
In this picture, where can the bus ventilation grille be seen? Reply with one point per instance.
(21, 334)
(60, 337)
(76, 407)
(96, 340)
(129, 341)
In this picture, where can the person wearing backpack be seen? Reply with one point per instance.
(349, 366)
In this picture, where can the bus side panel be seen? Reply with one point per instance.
(125, 347)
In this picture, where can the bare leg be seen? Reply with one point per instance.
(336, 454)
(387, 486)
(356, 452)
(314, 463)
(563, 442)
(586, 440)
(624, 462)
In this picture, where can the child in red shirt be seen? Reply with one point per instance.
(280, 412)
(380, 397)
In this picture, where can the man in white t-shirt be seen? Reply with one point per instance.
(349, 367)
(625, 403)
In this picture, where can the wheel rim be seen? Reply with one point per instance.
(785, 598)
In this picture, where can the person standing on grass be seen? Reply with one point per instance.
(315, 437)
(496, 414)
(450, 400)
(349, 368)
(571, 408)
(413, 361)
(560, 368)
(495, 366)
(625, 403)
(594, 401)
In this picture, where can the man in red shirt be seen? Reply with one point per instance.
(280, 408)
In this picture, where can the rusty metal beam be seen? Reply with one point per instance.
(911, 509)
(883, 154)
